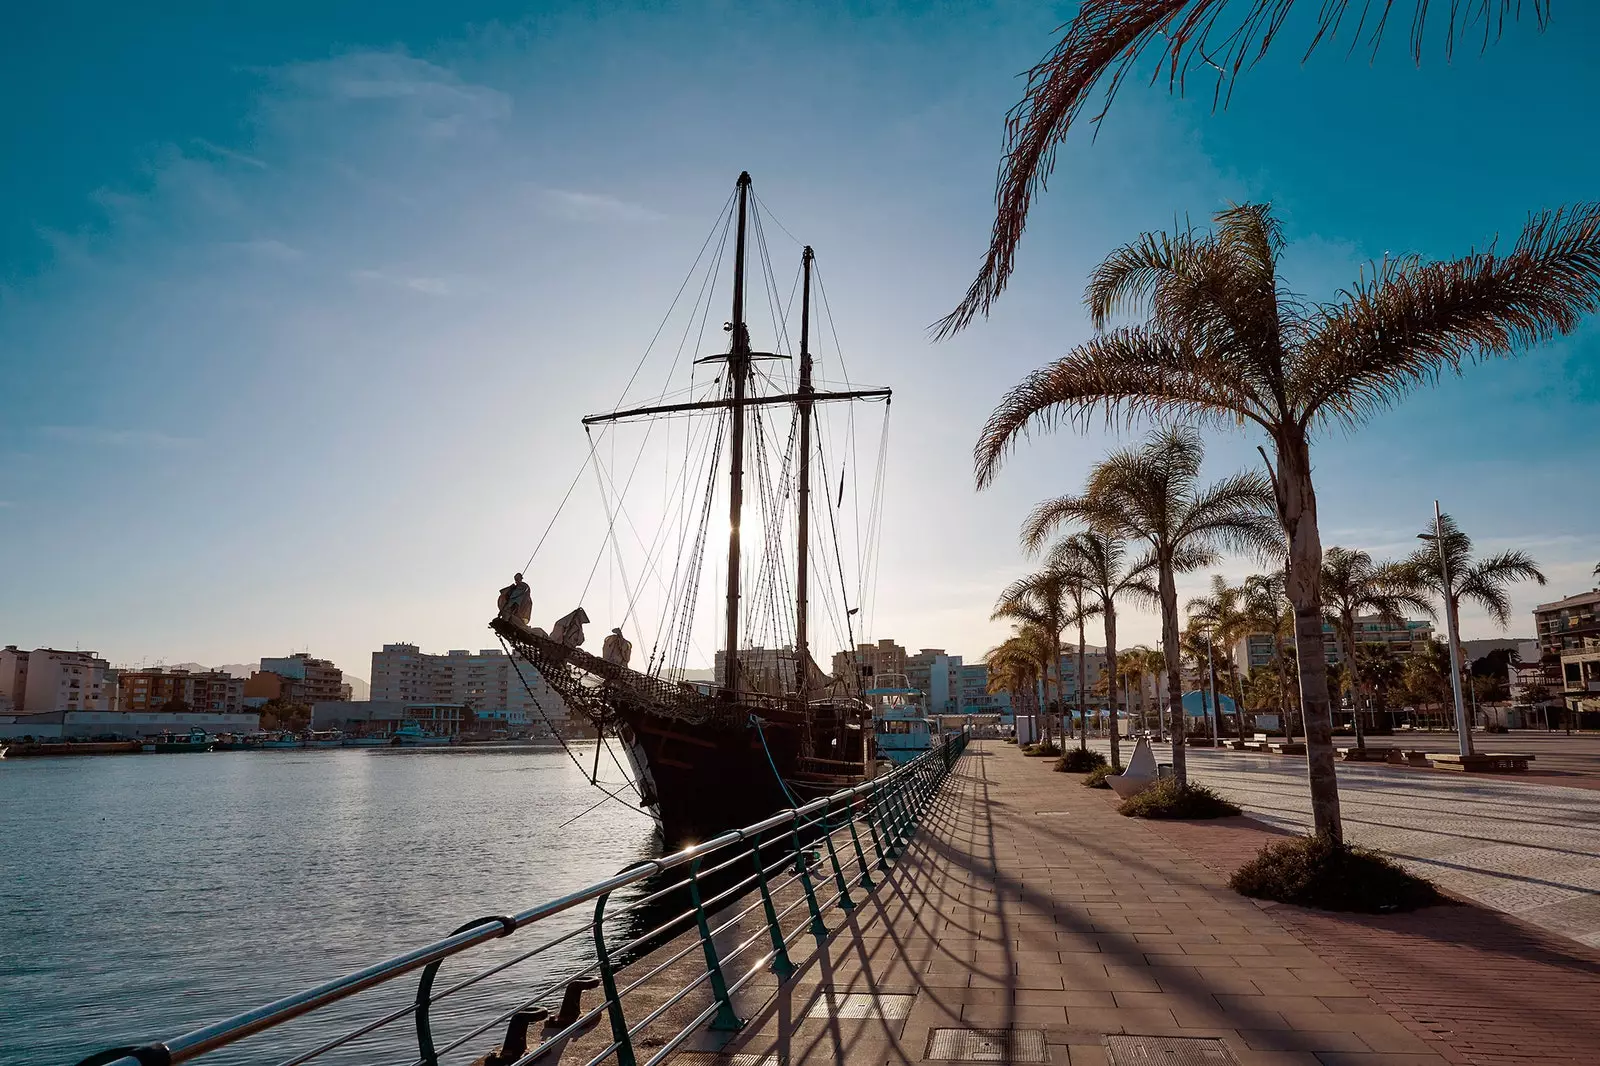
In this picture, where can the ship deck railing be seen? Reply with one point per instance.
(671, 942)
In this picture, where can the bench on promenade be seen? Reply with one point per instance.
(1297, 748)
(1483, 762)
(1407, 757)
(1365, 754)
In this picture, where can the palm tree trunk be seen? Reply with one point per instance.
(1297, 504)
(1083, 712)
(1348, 624)
(1238, 699)
(1111, 667)
(1169, 647)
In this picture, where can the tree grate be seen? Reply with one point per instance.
(988, 1045)
(1168, 1051)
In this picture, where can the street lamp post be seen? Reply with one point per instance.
(1463, 727)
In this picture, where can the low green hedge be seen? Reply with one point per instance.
(1047, 749)
(1096, 778)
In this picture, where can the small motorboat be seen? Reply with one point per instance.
(412, 735)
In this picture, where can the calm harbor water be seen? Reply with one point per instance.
(143, 895)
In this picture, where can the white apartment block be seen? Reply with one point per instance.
(47, 679)
(487, 680)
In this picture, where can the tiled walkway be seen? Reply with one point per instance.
(1528, 849)
(1026, 904)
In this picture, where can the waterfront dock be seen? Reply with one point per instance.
(1030, 922)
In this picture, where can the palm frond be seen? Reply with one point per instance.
(1100, 46)
(1126, 374)
(1411, 321)
(1049, 516)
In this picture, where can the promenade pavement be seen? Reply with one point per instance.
(1027, 910)
(1525, 848)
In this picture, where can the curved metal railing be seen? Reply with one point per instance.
(793, 867)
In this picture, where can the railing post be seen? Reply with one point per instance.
(726, 1020)
(608, 983)
(838, 871)
(872, 826)
(818, 930)
(424, 999)
(865, 880)
(780, 951)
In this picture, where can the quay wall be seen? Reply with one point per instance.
(54, 725)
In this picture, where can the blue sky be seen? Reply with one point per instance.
(299, 304)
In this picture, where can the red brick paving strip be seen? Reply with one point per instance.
(1477, 985)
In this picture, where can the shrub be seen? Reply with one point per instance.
(1048, 748)
(1315, 871)
(1096, 778)
(1079, 761)
(1168, 799)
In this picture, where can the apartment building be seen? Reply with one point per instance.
(49, 679)
(938, 675)
(1402, 638)
(1570, 629)
(487, 681)
(153, 688)
(769, 670)
(303, 679)
(868, 661)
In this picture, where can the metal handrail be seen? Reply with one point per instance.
(889, 804)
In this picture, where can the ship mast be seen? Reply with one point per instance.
(738, 370)
(802, 653)
(739, 358)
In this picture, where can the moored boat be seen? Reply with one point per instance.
(279, 741)
(900, 726)
(365, 742)
(324, 738)
(412, 735)
(178, 743)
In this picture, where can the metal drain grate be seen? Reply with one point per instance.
(862, 1005)
(988, 1045)
(1168, 1051)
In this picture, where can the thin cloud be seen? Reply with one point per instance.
(432, 100)
(428, 286)
(595, 207)
(228, 153)
(114, 438)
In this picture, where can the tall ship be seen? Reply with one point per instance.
(771, 730)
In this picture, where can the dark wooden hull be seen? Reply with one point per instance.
(700, 782)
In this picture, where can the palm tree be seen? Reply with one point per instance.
(1266, 603)
(1042, 599)
(1135, 664)
(1014, 667)
(1077, 589)
(1351, 584)
(1150, 493)
(1103, 563)
(1223, 617)
(1483, 581)
(1104, 40)
(1224, 344)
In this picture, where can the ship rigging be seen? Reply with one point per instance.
(773, 729)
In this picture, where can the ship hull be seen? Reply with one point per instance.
(698, 783)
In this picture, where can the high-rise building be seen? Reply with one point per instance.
(13, 676)
(769, 670)
(938, 675)
(488, 681)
